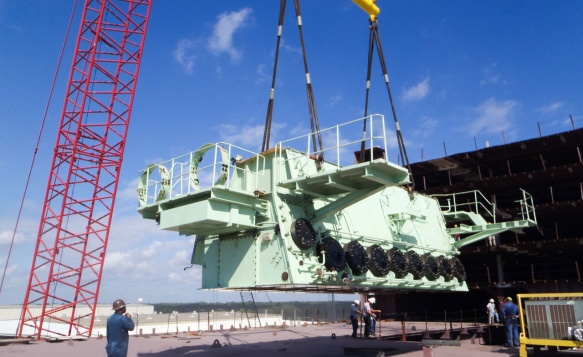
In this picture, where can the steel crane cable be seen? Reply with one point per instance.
(311, 99)
(375, 39)
(49, 101)
(269, 117)
(315, 125)
(368, 75)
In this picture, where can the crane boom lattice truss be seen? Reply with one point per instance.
(81, 190)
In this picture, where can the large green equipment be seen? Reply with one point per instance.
(293, 219)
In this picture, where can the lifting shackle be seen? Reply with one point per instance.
(370, 7)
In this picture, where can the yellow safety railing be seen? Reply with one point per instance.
(550, 320)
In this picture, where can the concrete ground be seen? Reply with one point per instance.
(305, 341)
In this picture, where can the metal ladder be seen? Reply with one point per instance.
(248, 299)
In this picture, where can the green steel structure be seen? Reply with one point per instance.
(292, 219)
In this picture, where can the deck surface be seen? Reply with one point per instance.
(308, 340)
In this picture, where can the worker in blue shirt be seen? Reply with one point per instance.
(118, 326)
(510, 312)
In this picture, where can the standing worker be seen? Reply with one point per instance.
(492, 313)
(367, 313)
(355, 316)
(373, 317)
(510, 312)
(118, 326)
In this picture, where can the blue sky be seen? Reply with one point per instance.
(463, 73)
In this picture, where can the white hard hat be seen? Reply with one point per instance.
(491, 300)
(356, 302)
(372, 300)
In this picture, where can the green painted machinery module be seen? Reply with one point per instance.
(295, 219)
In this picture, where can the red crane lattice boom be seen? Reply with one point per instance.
(80, 197)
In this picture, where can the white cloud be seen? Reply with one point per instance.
(26, 232)
(151, 250)
(129, 192)
(250, 136)
(184, 55)
(219, 72)
(12, 277)
(190, 276)
(226, 26)
(247, 136)
(145, 261)
(428, 125)
(391, 136)
(418, 91)
(130, 229)
(298, 129)
(492, 117)
(262, 76)
(551, 108)
(181, 258)
(490, 75)
(119, 261)
(291, 49)
(174, 277)
(6, 237)
(335, 99)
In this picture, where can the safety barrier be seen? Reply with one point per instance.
(550, 320)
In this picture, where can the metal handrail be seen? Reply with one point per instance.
(478, 203)
(339, 139)
(186, 177)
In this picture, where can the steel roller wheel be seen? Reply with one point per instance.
(445, 268)
(458, 269)
(303, 233)
(398, 262)
(431, 266)
(334, 257)
(356, 258)
(380, 264)
(415, 264)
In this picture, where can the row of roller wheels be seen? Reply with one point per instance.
(380, 262)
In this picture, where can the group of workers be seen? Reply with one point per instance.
(368, 314)
(510, 315)
(120, 323)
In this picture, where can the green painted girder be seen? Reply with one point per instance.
(375, 174)
(240, 198)
(483, 231)
(343, 202)
(477, 219)
(353, 184)
(213, 211)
